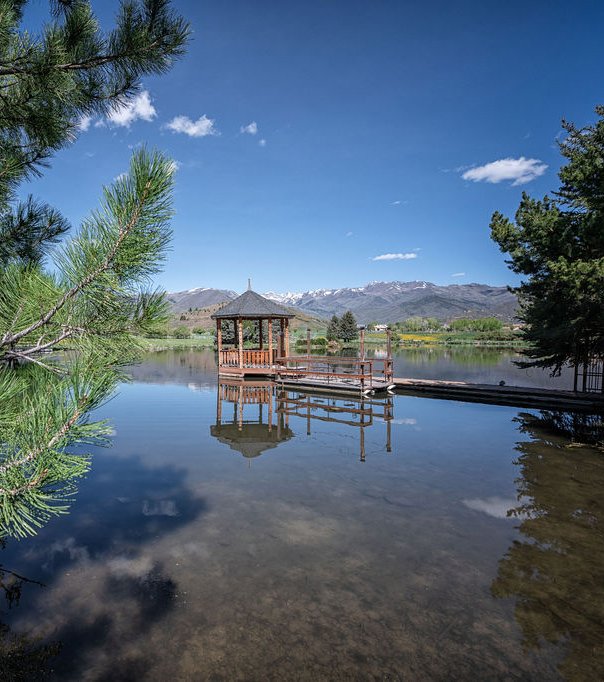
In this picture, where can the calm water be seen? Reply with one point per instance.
(473, 364)
(253, 535)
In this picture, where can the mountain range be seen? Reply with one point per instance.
(377, 301)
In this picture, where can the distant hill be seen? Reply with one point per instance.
(199, 298)
(378, 301)
(201, 317)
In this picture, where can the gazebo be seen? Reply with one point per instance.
(233, 358)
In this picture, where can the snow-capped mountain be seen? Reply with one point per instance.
(378, 301)
(392, 301)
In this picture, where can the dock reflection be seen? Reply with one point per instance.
(254, 416)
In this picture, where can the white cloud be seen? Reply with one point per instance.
(396, 203)
(521, 171)
(349, 234)
(262, 142)
(84, 123)
(202, 127)
(493, 506)
(395, 256)
(250, 128)
(139, 106)
(458, 274)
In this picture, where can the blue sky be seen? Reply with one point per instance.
(313, 137)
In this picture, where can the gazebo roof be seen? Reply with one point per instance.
(252, 439)
(252, 305)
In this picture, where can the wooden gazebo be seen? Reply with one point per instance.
(273, 343)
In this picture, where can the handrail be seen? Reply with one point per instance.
(254, 357)
(324, 366)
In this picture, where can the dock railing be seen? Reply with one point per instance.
(366, 373)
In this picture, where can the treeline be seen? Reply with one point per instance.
(431, 324)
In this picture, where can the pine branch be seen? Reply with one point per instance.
(59, 435)
(77, 288)
(93, 63)
(28, 358)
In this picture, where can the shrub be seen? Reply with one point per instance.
(157, 334)
(181, 332)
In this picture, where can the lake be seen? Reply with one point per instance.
(251, 533)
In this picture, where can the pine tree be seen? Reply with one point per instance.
(333, 329)
(97, 295)
(558, 244)
(348, 327)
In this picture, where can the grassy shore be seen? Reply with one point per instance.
(419, 339)
(401, 340)
(194, 343)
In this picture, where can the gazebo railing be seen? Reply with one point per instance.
(251, 358)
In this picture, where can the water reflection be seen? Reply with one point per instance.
(554, 570)
(251, 427)
(254, 416)
(178, 562)
(21, 657)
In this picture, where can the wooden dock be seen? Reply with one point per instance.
(332, 385)
(334, 373)
(518, 396)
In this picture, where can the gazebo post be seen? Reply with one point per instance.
(286, 337)
(219, 340)
(282, 337)
(270, 409)
(260, 332)
(240, 405)
(240, 338)
(270, 342)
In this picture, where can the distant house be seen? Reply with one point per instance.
(380, 327)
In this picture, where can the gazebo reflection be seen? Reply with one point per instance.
(254, 416)
(246, 419)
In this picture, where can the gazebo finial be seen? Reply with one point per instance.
(249, 283)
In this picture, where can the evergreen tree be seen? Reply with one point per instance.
(348, 327)
(97, 293)
(558, 244)
(333, 329)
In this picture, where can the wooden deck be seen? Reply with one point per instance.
(324, 373)
(519, 396)
(332, 385)
(240, 372)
